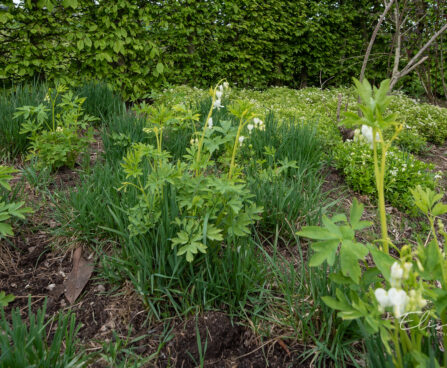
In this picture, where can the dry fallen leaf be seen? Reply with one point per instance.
(78, 277)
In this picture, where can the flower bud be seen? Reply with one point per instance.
(397, 273)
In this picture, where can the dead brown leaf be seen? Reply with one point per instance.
(78, 277)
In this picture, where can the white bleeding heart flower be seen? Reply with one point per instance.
(367, 132)
(397, 273)
(399, 300)
(382, 297)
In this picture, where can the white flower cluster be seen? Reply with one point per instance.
(396, 298)
(219, 94)
(259, 124)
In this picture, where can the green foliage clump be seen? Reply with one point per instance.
(9, 209)
(409, 140)
(283, 164)
(403, 172)
(12, 142)
(212, 206)
(100, 100)
(57, 140)
(429, 121)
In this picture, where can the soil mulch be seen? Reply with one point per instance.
(33, 269)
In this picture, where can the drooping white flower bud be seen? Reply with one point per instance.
(210, 123)
(219, 94)
(250, 127)
(217, 104)
(367, 132)
(407, 269)
(241, 140)
(397, 273)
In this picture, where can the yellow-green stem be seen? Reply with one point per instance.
(199, 150)
(380, 176)
(53, 103)
(161, 140)
(233, 156)
(400, 363)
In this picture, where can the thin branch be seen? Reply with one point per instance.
(373, 38)
(403, 74)
(422, 50)
(398, 42)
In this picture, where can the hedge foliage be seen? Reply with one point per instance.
(71, 40)
(138, 45)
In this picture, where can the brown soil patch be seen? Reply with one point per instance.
(225, 343)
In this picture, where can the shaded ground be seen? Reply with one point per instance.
(34, 270)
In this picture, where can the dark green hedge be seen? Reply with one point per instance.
(260, 43)
(75, 40)
(137, 45)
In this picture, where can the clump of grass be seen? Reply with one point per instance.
(101, 101)
(284, 173)
(24, 345)
(294, 306)
(12, 143)
(165, 281)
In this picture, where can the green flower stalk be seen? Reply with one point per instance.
(373, 120)
(244, 111)
(216, 95)
(412, 288)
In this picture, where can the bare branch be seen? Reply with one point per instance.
(404, 72)
(373, 38)
(422, 50)
(398, 38)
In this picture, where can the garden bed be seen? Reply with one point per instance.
(249, 298)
